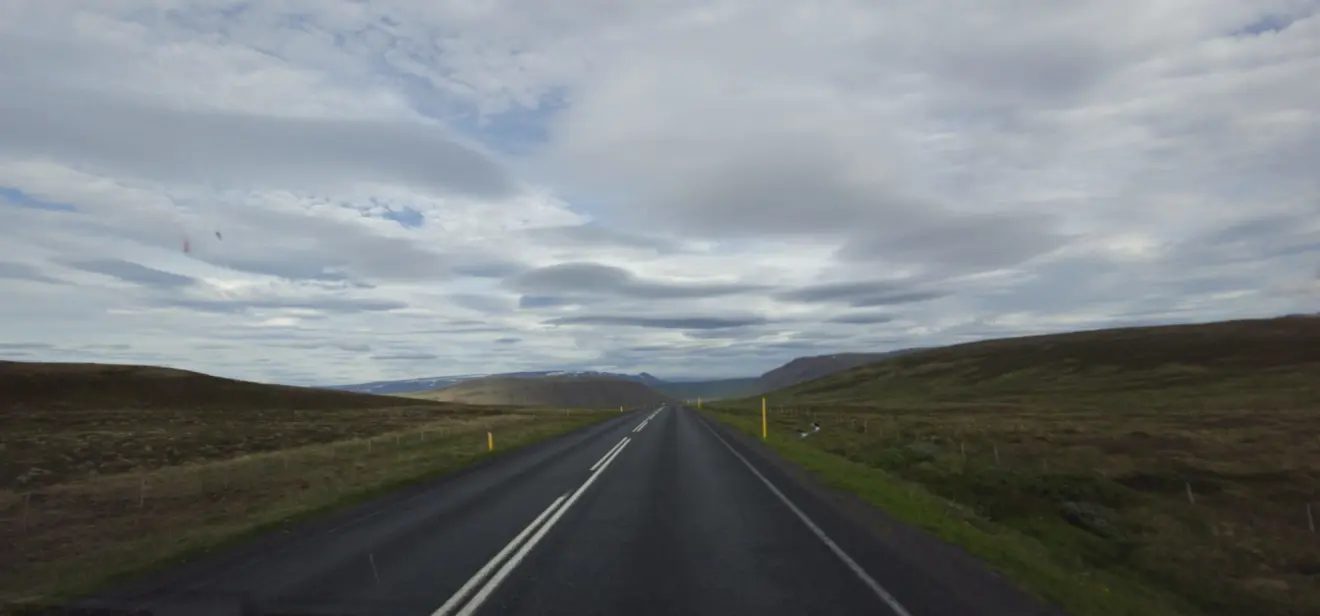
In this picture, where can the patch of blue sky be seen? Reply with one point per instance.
(1266, 24)
(516, 130)
(407, 217)
(14, 197)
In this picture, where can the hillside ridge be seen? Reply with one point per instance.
(559, 391)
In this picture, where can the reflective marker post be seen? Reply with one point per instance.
(762, 418)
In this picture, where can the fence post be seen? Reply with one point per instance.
(1191, 498)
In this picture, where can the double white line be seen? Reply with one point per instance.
(642, 426)
(553, 513)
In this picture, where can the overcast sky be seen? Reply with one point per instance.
(404, 188)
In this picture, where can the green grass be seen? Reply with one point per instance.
(84, 534)
(1026, 559)
(1065, 461)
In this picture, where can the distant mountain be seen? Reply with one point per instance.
(710, 390)
(440, 382)
(805, 369)
(406, 386)
(556, 390)
(797, 371)
(59, 387)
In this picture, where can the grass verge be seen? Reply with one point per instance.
(1176, 466)
(71, 538)
(1038, 568)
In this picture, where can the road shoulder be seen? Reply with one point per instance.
(919, 568)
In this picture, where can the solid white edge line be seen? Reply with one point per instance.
(481, 574)
(607, 454)
(513, 561)
(820, 534)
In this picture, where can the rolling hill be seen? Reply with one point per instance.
(115, 469)
(709, 390)
(64, 420)
(1212, 355)
(795, 371)
(76, 386)
(805, 369)
(1177, 459)
(440, 382)
(561, 391)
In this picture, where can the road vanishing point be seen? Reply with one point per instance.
(662, 511)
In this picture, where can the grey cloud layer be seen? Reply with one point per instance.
(23, 271)
(164, 143)
(329, 304)
(598, 279)
(594, 236)
(677, 322)
(131, 272)
(863, 293)
(874, 176)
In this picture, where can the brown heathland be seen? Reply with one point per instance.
(108, 470)
(576, 392)
(1183, 459)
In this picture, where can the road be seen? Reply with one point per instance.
(655, 512)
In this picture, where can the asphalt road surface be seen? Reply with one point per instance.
(655, 512)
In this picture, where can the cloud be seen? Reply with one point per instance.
(595, 278)
(660, 322)
(24, 271)
(863, 318)
(23, 346)
(863, 293)
(121, 137)
(484, 266)
(595, 236)
(405, 357)
(18, 198)
(131, 272)
(971, 242)
(543, 301)
(690, 189)
(329, 304)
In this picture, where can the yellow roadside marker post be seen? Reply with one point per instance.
(490, 442)
(763, 419)
(698, 403)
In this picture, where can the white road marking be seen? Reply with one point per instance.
(481, 574)
(834, 547)
(641, 425)
(607, 454)
(512, 563)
